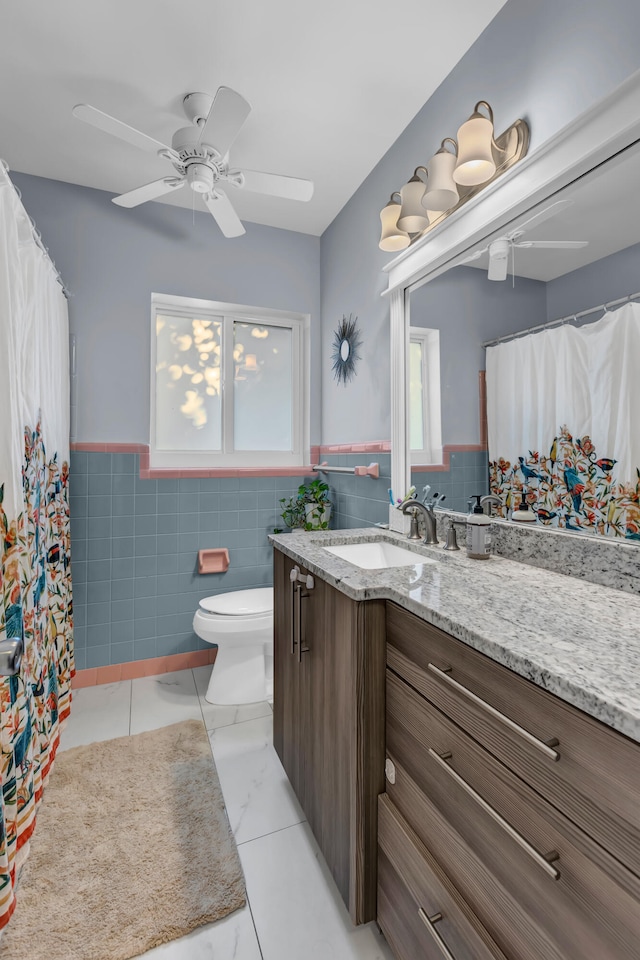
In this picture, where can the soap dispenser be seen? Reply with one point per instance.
(524, 514)
(478, 532)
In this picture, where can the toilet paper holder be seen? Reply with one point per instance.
(215, 560)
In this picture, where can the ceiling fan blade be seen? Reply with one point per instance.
(552, 244)
(228, 112)
(551, 211)
(222, 211)
(95, 117)
(275, 185)
(473, 256)
(150, 191)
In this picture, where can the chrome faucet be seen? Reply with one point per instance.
(487, 500)
(430, 536)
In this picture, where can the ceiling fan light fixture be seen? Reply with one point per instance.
(392, 238)
(475, 148)
(200, 177)
(498, 259)
(413, 217)
(441, 193)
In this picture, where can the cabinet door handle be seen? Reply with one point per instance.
(294, 587)
(301, 649)
(430, 924)
(544, 862)
(545, 748)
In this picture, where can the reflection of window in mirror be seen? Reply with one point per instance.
(425, 426)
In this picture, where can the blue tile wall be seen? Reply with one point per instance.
(468, 475)
(134, 547)
(359, 501)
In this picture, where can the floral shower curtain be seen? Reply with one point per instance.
(562, 409)
(35, 571)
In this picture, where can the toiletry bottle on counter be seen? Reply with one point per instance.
(524, 514)
(478, 532)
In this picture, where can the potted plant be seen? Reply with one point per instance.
(310, 509)
(292, 513)
(317, 507)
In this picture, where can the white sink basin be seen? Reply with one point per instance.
(377, 555)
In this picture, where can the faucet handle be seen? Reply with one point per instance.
(452, 540)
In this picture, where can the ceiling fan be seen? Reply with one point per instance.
(500, 249)
(199, 154)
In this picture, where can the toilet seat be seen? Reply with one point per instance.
(247, 604)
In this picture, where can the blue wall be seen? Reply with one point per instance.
(112, 260)
(547, 62)
(608, 279)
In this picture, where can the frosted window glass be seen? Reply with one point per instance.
(262, 387)
(416, 395)
(188, 383)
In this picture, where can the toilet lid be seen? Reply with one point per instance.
(241, 603)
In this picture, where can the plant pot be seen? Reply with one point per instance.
(317, 516)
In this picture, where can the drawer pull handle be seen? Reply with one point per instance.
(545, 748)
(430, 924)
(545, 862)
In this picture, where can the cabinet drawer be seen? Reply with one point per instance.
(586, 902)
(419, 911)
(595, 779)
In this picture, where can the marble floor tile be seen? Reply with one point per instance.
(233, 938)
(168, 698)
(219, 716)
(257, 793)
(296, 907)
(98, 713)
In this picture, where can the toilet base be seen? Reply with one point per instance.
(239, 675)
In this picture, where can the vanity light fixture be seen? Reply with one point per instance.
(392, 238)
(476, 163)
(452, 178)
(441, 193)
(412, 217)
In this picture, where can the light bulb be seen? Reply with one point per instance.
(412, 217)
(475, 155)
(441, 193)
(391, 238)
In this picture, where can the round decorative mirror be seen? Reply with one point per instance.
(345, 350)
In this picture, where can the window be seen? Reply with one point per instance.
(425, 428)
(229, 385)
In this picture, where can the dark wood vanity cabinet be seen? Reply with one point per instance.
(529, 809)
(328, 705)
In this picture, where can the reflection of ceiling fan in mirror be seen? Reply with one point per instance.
(501, 248)
(199, 154)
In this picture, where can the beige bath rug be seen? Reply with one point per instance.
(132, 849)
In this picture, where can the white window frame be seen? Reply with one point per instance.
(431, 453)
(228, 313)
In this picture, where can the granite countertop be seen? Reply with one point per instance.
(578, 640)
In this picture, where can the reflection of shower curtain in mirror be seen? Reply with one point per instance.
(35, 575)
(562, 408)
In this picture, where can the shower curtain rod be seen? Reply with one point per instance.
(562, 320)
(36, 233)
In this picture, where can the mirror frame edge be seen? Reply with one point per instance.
(592, 138)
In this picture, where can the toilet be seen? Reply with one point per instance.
(241, 624)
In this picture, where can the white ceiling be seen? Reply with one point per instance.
(332, 85)
(603, 210)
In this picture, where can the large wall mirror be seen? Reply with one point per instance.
(573, 248)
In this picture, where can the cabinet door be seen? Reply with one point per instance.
(329, 723)
(288, 701)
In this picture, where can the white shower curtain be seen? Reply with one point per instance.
(563, 408)
(35, 570)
